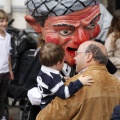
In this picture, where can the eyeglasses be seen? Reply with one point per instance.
(77, 52)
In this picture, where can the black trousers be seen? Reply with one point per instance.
(34, 110)
(4, 80)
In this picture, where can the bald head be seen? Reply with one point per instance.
(99, 52)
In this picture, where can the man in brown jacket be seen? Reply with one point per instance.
(94, 102)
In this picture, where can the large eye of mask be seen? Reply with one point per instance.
(65, 32)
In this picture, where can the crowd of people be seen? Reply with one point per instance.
(68, 57)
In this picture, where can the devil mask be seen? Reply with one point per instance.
(65, 22)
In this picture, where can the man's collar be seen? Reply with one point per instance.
(82, 70)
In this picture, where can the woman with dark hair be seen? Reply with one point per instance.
(112, 42)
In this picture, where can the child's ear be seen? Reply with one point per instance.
(58, 63)
(32, 22)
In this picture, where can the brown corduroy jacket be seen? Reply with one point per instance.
(94, 102)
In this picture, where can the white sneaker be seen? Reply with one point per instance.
(3, 118)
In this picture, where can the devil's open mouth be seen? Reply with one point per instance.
(71, 51)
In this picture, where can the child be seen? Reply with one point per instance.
(50, 82)
(5, 61)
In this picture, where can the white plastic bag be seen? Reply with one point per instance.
(34, 96)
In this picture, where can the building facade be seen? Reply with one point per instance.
(16, 10)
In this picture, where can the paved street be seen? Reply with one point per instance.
(14, 112)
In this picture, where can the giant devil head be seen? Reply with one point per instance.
(65, 22)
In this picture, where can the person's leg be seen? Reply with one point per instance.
(4, 80)
(34, 110)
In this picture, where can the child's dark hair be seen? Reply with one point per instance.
(3, 15)
(51, 54)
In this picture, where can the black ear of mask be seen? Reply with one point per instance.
(41, 20)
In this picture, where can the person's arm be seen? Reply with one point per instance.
(111, 50)
(10, 69)
(109, 46)
(56, 86)
(65, 91)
